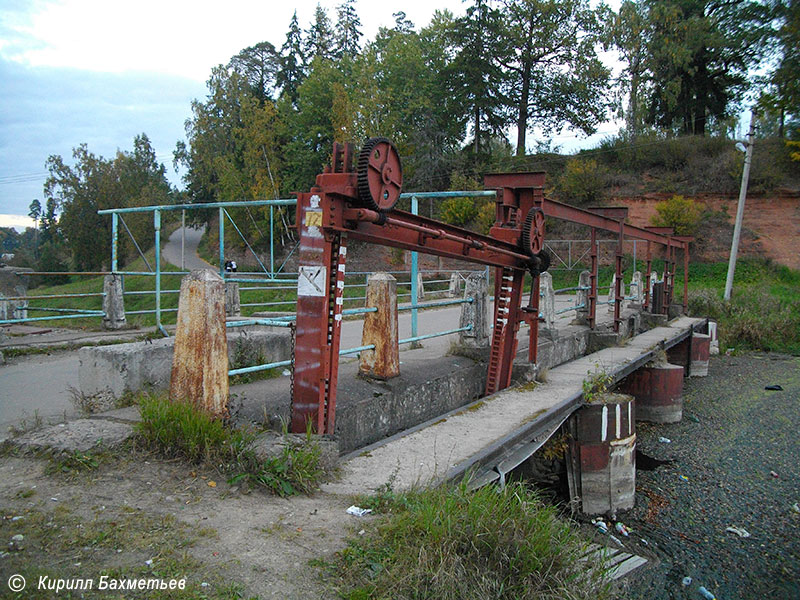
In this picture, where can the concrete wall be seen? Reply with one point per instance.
(111, 371)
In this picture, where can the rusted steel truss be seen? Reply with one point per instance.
(358, 204)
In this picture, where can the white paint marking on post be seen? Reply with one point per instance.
(311, 281)
(619, 420)
(604, 425)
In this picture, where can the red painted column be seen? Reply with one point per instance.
(658, 390)
(701, 350)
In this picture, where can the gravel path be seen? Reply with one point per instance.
(739, 448)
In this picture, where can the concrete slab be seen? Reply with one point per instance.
(76, 436)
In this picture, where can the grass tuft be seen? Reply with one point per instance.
(449, 543)
(178, 429)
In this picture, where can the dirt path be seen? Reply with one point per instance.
(254, 539)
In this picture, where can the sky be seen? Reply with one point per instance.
(102, 71)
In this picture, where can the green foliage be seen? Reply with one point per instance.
(596, 384)
(682, 214)
(449, 543)
(582, 181)
(94, 183)
(764, 310)
(485, 217)
(178, 429)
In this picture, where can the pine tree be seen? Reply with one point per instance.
(319, 37)
(293, 61)
(348, 33)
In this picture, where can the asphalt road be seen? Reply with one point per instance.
(171, 252)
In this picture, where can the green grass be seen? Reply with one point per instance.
(178, 429)
(449, 543)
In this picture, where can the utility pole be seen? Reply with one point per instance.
(737, 229)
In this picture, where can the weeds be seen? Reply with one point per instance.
(178, 429)
(596, 384)
(449, 543)
(74, 462)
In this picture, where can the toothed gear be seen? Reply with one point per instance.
(380, 175)
(533, 232)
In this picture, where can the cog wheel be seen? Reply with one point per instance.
(380, 175)
(544, 260)
(533, 232)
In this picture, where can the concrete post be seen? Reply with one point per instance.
(653, 281)
(455, 285)
(637, 290)
(475, 313)
(582, 298)
(113, 302)
(547, 300)
(200, 360)
(658, 390)
(701, 349)
(420, 287)
(233, 307)
(380, 329)
(611, 297)
(601, 466)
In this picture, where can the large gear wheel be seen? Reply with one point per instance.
(533, 232)
(380, 175)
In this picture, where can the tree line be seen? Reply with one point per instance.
(449, 94)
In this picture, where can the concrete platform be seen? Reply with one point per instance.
(490, 432)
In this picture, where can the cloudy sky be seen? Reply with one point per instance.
(102, 71)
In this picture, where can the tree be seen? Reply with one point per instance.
(782, 96)
(259, 66)
(348, 32)
(292, 61)
(319, 36)
(628, 30)
(552, 75)
(698, 56)
(476, 75)
(94, 183)
(34, 212)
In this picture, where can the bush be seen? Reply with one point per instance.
(459, 211)
(682, 214)
(582, 181)
(449, 543)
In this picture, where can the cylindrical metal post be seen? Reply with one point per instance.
(183, 239)
(593, 282)
(271, 240)
(114, 241)
(414, 272)
(157, 227)
(221, 242)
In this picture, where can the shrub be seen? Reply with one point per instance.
(450, 543)
(582, 181)
(459, 211)
(682, 214)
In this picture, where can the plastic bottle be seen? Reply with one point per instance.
(706, 594)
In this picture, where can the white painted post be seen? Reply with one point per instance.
(547, 300)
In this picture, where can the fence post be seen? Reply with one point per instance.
(638, 285)
(113, 302)
(200, 361)
(380, 329)
(612, 291)
(475, 313)
(582, 298)
(455, 285)
(548, 300)
(233, 306)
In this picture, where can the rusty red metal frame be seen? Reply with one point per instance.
(331, 213)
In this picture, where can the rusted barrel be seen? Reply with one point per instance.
(603, 452)
(701, 350)
(658, 390)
